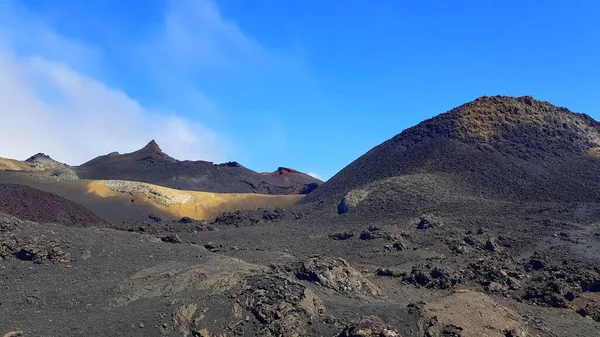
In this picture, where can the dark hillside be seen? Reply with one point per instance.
(517, 149)
(150, 164)
(29, 203)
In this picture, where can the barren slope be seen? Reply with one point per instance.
(32, 204)
(118, 201)
(502, 148)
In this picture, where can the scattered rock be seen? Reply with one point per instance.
(389, 272)
(351, 200)
(367, 235)
(172, 238)
(256, 217)
(592, 310)
(470, 241)
(186, 219)
(554, 294)
(154, 218)
(432, 277)
(374, 232)
(35, 249)
(492, 246)
(332, 273)
(282, 306)
(13, 334)
(210, 246)
(370, 326)
(399, 245)
(341, 236)
(428, 221)
(537, 262)
(186, 318)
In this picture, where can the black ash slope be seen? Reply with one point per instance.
(32, 204)
(516, 149)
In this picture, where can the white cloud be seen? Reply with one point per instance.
(47, 105)
(197, 45)
(314, 175)
(196, 35)
(55, 98)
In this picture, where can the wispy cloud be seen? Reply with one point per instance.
(314, 175)
(57, 96)
(200, 47)
(47, 104)
(195, 36)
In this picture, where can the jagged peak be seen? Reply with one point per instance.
(153, 150)
(42, 161)
(152, 146)
(39, 156)
(229, 164)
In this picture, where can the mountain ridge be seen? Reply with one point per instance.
(151, 165)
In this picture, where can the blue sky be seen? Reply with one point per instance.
(305, 84)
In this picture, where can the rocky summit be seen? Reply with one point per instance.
(482, 221)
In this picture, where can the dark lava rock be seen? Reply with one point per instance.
(492, 246)
(256, 217)
(496, 275)
(536, 262)
(371, 233)
(35, 249)
(428, 221)
(212, 247)
(332, 273)
(173, 238)
(154, 218)
(341, 236)
(186, 219)
(369, 326)
(470, 241)
(432, 277)
(282, 307)
(592, 310)
(554, 294)
(450, 330)
(229, 164)
(400, 245)
(387, 272)
(367, 235)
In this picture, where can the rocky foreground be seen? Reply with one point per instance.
(280, 273)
